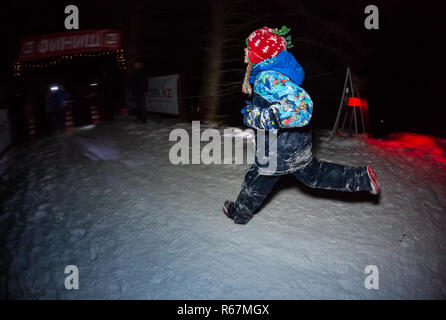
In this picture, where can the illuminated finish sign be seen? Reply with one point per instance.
(65, 43)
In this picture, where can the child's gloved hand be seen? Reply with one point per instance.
(247, 109)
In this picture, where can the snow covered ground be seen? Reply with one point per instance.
(107, 200)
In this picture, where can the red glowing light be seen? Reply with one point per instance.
(427, 148)
(354, 102)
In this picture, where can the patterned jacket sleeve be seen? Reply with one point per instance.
(294, 110)
(260, 118)
(288, 104)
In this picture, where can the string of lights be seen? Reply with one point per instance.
(18, 67)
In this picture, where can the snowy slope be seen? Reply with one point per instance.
(108, 200)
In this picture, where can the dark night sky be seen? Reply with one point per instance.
(402, 66)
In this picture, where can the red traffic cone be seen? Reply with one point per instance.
(95, 117)
(68, 119)
(32, 129)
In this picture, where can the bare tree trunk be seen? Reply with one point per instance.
(211, 77)
(134, 50)
(134, 30)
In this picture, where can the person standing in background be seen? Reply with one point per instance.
(60, 98)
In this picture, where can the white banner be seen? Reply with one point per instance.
(5, 133)
(163, 94)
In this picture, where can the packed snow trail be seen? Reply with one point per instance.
(108, 200)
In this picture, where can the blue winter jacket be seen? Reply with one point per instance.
(276, 90)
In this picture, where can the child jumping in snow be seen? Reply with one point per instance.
(280, 105)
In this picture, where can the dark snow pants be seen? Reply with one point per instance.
(318, 174)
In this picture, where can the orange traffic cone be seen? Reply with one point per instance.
(68, 119)
(32, 129)
(95, 117)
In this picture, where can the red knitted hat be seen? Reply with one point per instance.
(265, 43)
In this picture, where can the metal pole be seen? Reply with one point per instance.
(340, 104)
(354, 109)
(352, 113)
(362, 118)
(345, 118)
